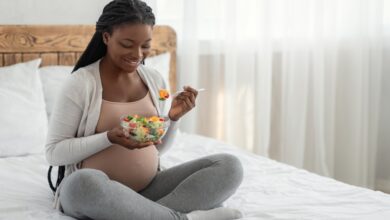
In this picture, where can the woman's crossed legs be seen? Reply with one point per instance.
(200, 184)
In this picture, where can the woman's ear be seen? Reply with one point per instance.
(106, 37)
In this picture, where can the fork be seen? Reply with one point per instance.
(178, 92)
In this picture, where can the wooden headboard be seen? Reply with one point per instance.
(63, 44)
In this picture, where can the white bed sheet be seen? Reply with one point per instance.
(270, 190)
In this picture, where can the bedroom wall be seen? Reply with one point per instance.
(88, 11)
(50, 11)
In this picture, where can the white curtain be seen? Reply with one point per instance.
(297, 81)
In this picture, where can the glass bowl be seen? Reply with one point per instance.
(144, 129)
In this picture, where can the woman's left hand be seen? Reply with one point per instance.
(183, 103)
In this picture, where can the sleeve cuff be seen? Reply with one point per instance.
(174, 124)
(106, 140)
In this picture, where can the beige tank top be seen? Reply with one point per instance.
(134, 168)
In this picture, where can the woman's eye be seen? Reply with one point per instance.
(126, 45)
(129, 46)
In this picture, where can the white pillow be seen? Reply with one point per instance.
(53, 76)
(23, 121)
(161, 64)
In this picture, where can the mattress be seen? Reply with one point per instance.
(270, 190)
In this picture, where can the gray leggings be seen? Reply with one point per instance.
(200, 184)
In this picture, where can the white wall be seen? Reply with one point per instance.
(50, 11)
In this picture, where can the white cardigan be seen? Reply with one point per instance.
(71, 136)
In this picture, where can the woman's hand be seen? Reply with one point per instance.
(117, 136)
(183, 103)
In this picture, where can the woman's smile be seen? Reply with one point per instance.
(132, 63)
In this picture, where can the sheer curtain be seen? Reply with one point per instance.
(297, 81)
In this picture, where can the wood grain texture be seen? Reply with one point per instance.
(68, 59)
(50, 38)
(49, 59)
(30, 56)
(13, 58)
(64, 44)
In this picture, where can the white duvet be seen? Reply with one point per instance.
(270, 190)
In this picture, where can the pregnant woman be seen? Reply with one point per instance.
(104, 174)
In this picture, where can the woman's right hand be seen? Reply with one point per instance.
(117, 136)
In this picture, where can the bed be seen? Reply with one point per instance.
(270, 190)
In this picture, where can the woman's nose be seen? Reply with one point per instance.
(137, 53)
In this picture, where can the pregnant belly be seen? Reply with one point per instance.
(133, 168)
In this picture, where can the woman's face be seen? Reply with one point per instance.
(128, 45)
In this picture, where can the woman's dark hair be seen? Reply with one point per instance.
(115, 13)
